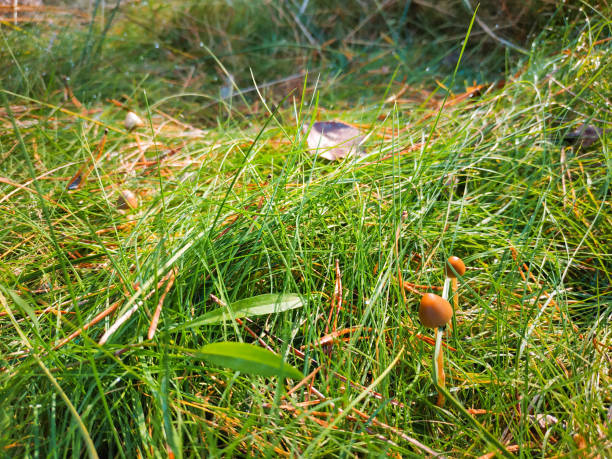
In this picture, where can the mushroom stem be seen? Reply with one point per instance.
(454, 267)
(447, 283)
(436, 312)
(455, 294)
(439, 376)
(439, 352)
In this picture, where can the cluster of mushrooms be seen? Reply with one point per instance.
(436, 312)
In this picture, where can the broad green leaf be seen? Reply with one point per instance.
(247, 358)
(269, 303)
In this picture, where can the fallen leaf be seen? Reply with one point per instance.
(584, 135)
(543, 420)
(333, 140)
(127, 199)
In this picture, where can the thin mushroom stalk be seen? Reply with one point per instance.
(439, 375)
(447, 284)
(439, 352)
(435, 312)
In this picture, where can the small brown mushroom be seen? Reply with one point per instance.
(434, 311)
(454, 266)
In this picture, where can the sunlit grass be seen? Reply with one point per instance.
(231, 199)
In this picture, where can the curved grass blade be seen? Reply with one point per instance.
(269, 303)
(247, 358)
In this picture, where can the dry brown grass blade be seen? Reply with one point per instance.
(79, 178)
(336, 301)
(330, 338)
(94, 321)
(411, 287)
(160, 303)
(127, 314)
(70, 95)
(25, 188)
(432, 342)
(307, 380)
(373, 393)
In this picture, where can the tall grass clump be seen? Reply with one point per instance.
(483, 156)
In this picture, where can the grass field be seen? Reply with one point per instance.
(119, 249)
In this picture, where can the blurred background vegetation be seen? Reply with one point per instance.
(185, 46)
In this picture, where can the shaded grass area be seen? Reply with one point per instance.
(230, 197)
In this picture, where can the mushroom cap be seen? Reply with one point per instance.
(458, 266)
(434, 311)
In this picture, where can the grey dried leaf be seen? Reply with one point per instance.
(543, 420)
(227, 90)
(127, 200)
(585, 135)
(333, 140)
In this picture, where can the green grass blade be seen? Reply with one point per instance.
(247, 358)
(270, 303)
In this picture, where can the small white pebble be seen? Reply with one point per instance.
(132, 120)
